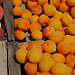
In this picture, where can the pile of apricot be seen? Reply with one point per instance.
(53, 21)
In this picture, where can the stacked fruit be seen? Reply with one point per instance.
(56, 55)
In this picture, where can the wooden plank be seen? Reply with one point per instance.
(3, 58)
(13, 66)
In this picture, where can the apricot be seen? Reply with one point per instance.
(70, 60)
(56, 3)
(45, 64)
(34, 18)
(55, 23)
(45, 73)
(58, 15)
(17, 3)
(34, 55)
(73, 21)
(23, 45)
(73, 72)
(49, 9)
(33, 0)
(41, 42)
(69, 39)
(1, 1)
(24, 24)
(34, 44)
(35, 26)
(63, 7)
(66, 19)
(58, 58)
(19, 35)
(36, 9)
(47, 31)
(72, 12)
(30, 68)
(26, 14)
(59, 69)
(71, 29)
(62, 0)
(49, 46)
(21, 56)
(42, 2)
(37, 73)
(16, 21)
(65, 30)
(37, 35)
(43, 19)
(17, 11)
(1, 12)
(71, 2)
(31, 3)
(56, 36)
(73, 48)
(24, 1)
(64, 47)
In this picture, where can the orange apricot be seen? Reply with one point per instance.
(19, 35)
(70, 60)
(56, 36)
(34, 18)
(43, 19)
(21, 56)
(17, 3)
(73, 21)
(66, 19)
(73, 72)
(23, 45)
(37, 73)
(36, 9)
(56, 3)
(24, 1)
(55, 23)
(34, 44)
(37, 35)
(17, 11)
(35, 26)
(24, 24)
(64, 47)
(49, 9)
(49, 46)
(26, 14)
(1, 12)
(45, 73)
(16, 21)
(71, 2)
(47, 31)
(63, 7)
(30, 68)
(62, 0)
(41, 42)
(59, 69)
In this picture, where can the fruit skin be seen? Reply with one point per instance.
(49, 9)
(37, 73)
(64, 47)
(26, 14)
(1, 1)
(24, 24)
(17, 3)
(66, 19)
(43, 19)
(35, 26)
(45, 64)
(71, 29)
(58, 58)
(72, 12)
(59, 69)
(37, 35)
(47, 31)
(65, 30)
(36, 9)
(73, 72)
(1, 12)
(70, 60)
(19, 35)
(71, 2)
(56, 36)
(21, 56)
(30, 68)
(55, 23)
(24, 1)
(34, 55)
(49, 46)
(73, 21)
(45, 73)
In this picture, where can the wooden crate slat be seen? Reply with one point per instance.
(3, 58)
(14, 67)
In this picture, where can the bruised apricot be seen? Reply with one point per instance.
(1, 12)
(43, 19)
(24, 24)
(26, 14)
(65, 30)
(71, 2)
